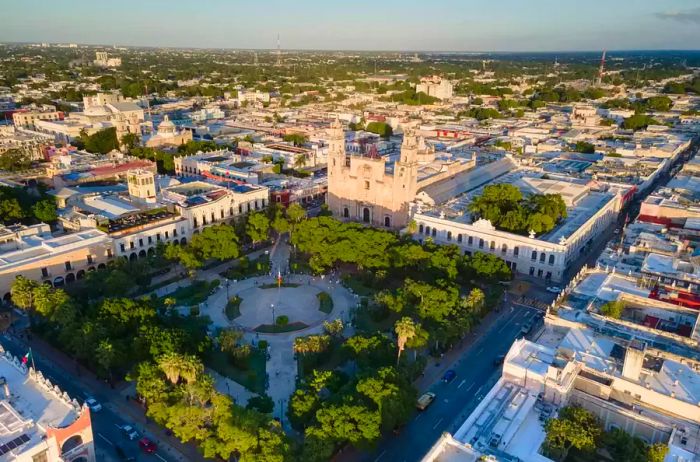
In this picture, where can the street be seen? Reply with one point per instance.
(454, 401)
(105, 423)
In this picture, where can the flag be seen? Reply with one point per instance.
(27, 357)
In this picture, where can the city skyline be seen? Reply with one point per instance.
(503, 26)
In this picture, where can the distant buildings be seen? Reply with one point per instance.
(38, 421)
(435, 86)
(27, 119)
(168, 135)
(102, 59)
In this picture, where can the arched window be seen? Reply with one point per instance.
(504, 248)
(71, 443)
(481, 243)
(534, 255)
(492, 246)
(516, 250)
(427, 230)
(434, 232)
(551, 259)
(70, 277)
(387, 222)
(459, 238)
(346, 213)
(449, 235)
(542, 257)
(420, 229)
(366, 215)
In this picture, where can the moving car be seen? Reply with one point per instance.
(425, 400)
(147, 446)
(553, 289)
(449, 376)
(93, 404)
(130, 432)
(527, 327)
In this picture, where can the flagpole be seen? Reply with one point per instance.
(32, 355)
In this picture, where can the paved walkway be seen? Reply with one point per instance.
(298, 303)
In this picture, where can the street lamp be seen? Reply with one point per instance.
(272, 307)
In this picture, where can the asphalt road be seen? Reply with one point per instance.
(476, 374)
(104, 423)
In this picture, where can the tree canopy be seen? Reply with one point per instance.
(504, 206)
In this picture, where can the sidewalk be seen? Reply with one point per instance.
(116, 400)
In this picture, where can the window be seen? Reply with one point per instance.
(263, 203)
(534, 255)
(194, 220)
(158, 237)
(248, 206)
(387, 222)
(492, 246)
(470, 240)
(256, 205)
(68, 266)
(516, 251)
(166, 235)
(121, 247)
(532, 271)
(230, 212)
(551, 260)
(89, 259)
(150, 239)
(449, 235)
(240, 208)
(222, 214)
(539, 273)
(44, 272)
(204, 220)
(174, 232)
(459, 238)
(346, 214)
(109, 253)
(542, 257)
(481, 243)
(427, 230)
(140, 242)
(434, 232)
(366, 184)
(515, 265)
(131, 245)
(213, 217)
(549, 275)
(504, 248)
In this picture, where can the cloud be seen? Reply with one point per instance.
(689, 16)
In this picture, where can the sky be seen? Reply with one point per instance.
(427, 25)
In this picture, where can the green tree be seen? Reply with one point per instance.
(15, 160)
(45, 210)
(356, 424)
(228, 339)
(101, 142)
(296, 138)
(257, 227)
(613, 309)
(177, 366)
(22, 292)
(657, 452)
(380, 128)
(574, 427)
(638, 122)
(405, 330)
(130, 140)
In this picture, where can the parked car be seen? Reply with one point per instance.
(553, 289)
(147, 446)
(93, 404)
(527, 327)
(130, 432)
(449, 376)
(425, 400)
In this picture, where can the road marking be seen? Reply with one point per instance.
(469, 388)
(437, 423)
(380, 455)
(479, 390)
(418, 416)
(159, 456)
(461, 383)
(104, 438)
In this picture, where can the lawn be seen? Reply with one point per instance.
(277, 329)
(325, 302)
(253, 378)
(233, 308)
(194, 294)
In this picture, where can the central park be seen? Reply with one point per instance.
(275, 335)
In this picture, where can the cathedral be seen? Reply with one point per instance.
(374, 190)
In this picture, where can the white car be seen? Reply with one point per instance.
(554, 289)
(93, 405)
(130, 432)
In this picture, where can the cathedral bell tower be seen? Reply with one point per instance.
(406, 172)
(336, 148)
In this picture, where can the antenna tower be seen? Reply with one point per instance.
(601, 71)
(279, 51)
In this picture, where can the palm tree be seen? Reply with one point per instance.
(171, 365)
(405, 329)
(228, 339)
(412, 227)
(300, 161)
